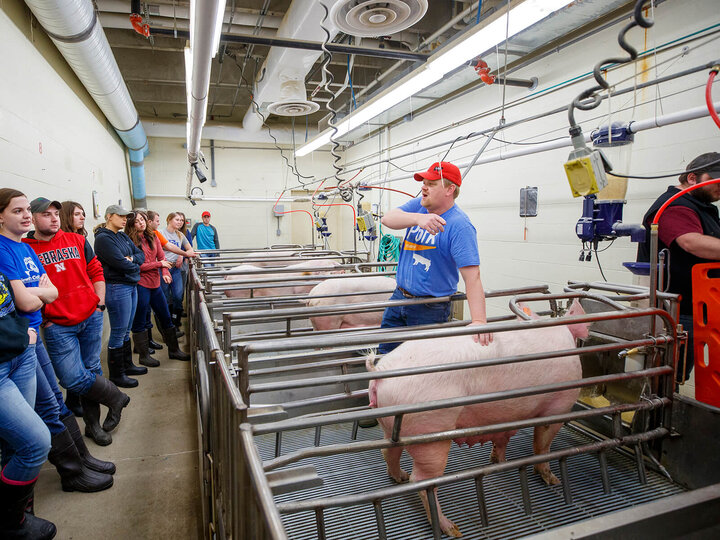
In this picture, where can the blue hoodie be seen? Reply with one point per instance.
(111, 250)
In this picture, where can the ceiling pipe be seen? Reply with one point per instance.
(225, 132)
(301, 22)
(76, 32)
(175, 28)
(201, 44)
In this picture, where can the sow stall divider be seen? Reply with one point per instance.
(239, 496)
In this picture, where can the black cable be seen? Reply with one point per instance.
(589, 99)
(706, 166)
(606, 247)
(599, 265)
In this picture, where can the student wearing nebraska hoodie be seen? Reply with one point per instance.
(121, 260)
(73, 323)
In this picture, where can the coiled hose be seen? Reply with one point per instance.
(388, 250)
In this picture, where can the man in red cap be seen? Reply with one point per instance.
(206, 235)
(439, 241)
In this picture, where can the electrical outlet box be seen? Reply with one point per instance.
(278, 210)
(586, 174)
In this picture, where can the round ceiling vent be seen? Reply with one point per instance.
(370, 18)
(293, 107)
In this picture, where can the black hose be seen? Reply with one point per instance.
(589, 99)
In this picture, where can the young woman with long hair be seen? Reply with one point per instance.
(149, 293)
(174, 291)
(72, 218)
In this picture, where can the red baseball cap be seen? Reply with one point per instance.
(441, 169)
(206, 213)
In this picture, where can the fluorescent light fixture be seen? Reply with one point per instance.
(218, 27)
(193, 3)
(441, 63)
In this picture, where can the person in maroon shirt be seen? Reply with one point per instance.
(690, 229)
(150, 294)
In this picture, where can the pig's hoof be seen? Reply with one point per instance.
(401, 478)
(451, 530)
(549, 478)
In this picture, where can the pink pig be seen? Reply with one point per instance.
(359, 285)
(429, 460)
(301, 269)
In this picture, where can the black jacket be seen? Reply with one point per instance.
(111, 250)
(681, 262)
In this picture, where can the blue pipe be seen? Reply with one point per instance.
(138, 147)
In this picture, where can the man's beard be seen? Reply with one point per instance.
(703, 194)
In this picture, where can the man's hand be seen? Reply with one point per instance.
(432, 223)
(483, 339)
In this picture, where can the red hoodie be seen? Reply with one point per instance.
(72, 267)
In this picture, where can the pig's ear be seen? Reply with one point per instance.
(527, 311)
(578, 330)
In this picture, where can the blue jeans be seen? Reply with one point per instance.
(75, 352)
(687, 322)
(174, 291)
(24, 438)
(49, 402)
(398, 316)
(121, 301)
(155, 299)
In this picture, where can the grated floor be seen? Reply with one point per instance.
(405, 517)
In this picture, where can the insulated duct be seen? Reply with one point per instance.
(301, 21)
(74, 28)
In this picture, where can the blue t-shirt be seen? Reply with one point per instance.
(205, 236)
(19, 261)
(429, 264)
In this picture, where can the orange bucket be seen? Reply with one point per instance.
(706, 332)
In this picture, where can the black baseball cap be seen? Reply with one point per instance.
(705, 163)
(41, 204)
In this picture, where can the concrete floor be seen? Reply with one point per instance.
(155, 449)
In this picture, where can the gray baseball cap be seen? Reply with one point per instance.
(116, 209)
(41, 204)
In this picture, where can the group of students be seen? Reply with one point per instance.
(52, 279)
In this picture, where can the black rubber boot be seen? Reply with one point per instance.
(142, 347)
(153, 344)
(91, 415)
(177, 321)
(15, 522)
(116, 366)
(72, 400)
(91, 462)
(130, 367)
(105, 392)
(74, 476)
(171, 341)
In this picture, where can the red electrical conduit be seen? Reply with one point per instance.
(335, 204)
(708, 95)
(680, 194)
(312, 219)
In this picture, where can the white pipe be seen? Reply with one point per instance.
(118, 20)
(635, 127)
(229, 199)
(201, 41)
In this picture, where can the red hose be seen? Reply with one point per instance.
(680, 194)
(335, 204)
(708, 95)
(312, 219)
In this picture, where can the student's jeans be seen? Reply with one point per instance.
(150, 298)
(399, 316)
(49, 402)
(75, 352)
(174, 291)
(121, 302)
(24, 438)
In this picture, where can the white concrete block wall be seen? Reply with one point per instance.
(490, 192)
(51, 144)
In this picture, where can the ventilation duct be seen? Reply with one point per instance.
(74, 28)
(370, 18)
(293, 98)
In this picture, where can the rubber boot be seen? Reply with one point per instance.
(15, 523)
(171, 341)
(150, 350)
(130, 367)
(141, 345)
(72, 400)
(74, 476)
(177, 321)
(91, 415)
(105, 392)
(116, 367)
(153, 344)
(91, 462)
